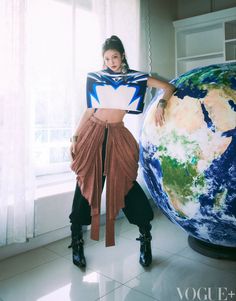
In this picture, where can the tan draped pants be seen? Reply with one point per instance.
(120, 169)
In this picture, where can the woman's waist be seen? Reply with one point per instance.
(108, 117)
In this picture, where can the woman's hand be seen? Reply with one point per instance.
(73, 149)
(73, 141)
(159, 115)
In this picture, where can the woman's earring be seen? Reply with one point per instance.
(123, 67)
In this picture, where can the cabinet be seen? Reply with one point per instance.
(230, 40)
(204, 40)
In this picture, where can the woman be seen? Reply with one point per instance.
(102, 148)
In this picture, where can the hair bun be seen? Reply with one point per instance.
(114, 38)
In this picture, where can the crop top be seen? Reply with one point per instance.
(111, 90)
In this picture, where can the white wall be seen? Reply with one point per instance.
(190, 8)
(162, 14)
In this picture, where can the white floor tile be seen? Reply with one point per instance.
(124, 293)
(121, 226)
(120, 262)
(60, 246)
(24, 262)
(163, 281)
(227, 265)
(58, 280)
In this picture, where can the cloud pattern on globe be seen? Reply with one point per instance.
(189, 164)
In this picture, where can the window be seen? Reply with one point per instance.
(61, 47)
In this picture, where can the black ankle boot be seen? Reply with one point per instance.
(77, 245)
(145, 238)
(78, 252)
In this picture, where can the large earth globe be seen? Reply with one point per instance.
(189, 163)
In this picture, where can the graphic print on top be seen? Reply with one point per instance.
(109, 90)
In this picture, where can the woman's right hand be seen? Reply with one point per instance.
(72, 150)
(73, 141)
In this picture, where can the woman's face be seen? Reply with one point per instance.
(113, 59)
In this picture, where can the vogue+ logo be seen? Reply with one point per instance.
(206, 294)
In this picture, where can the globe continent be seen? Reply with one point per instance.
(189, 163)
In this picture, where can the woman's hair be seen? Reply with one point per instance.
(115, 43)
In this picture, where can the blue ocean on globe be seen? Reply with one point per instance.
(189, 163)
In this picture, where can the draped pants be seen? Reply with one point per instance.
(137, 207)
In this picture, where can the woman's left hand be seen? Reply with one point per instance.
(159, 116)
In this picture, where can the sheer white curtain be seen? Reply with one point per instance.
(122, 18)
(47, 47)
(16, 172)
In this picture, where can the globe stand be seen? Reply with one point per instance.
(211, 250)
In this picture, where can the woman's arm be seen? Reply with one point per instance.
(168, 91)
(86, 115)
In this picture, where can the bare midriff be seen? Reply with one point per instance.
(110, 115)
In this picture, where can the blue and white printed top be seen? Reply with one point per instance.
(110, 90)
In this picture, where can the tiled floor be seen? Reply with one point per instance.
(114, 274)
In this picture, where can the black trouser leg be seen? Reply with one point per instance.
(81, 210)
(139, 212)
(137, 207)
(81, 215)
